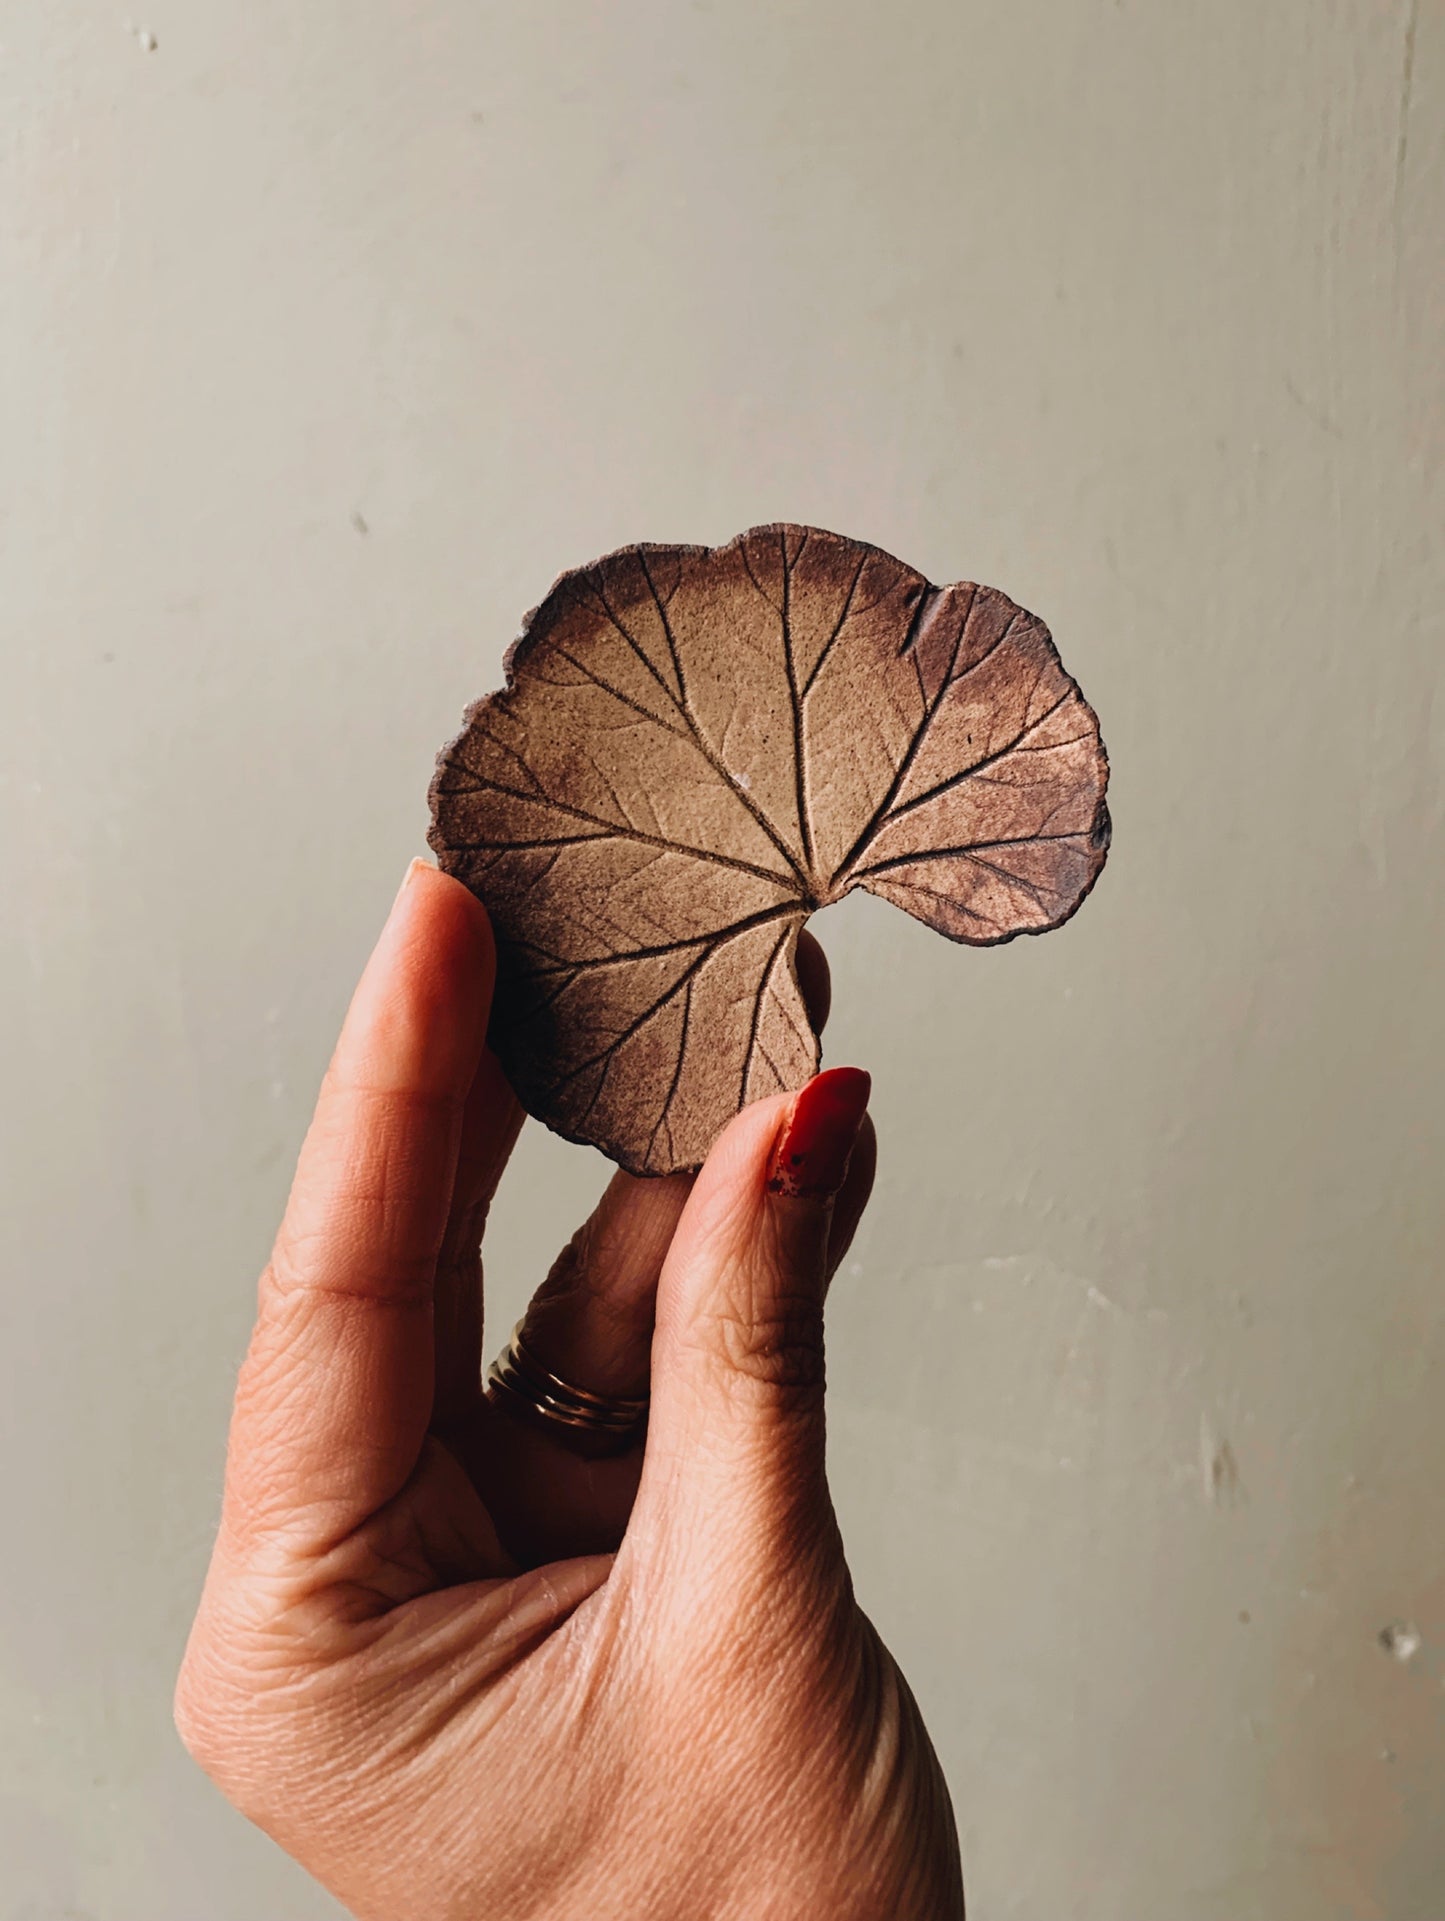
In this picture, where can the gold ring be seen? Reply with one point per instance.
(518, 1380)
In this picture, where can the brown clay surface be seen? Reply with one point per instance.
(696, 748)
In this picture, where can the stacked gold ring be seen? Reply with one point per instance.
(518, 1378)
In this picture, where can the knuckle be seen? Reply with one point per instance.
(367, 1264)
(241, 1719)
(190, 1719)
(775, 1353)
(206, 1721)
(599, 1290)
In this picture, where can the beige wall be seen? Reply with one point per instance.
(328, 333)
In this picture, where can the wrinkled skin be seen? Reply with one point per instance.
(459, 1671)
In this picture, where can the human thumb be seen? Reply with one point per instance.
(735, 1450)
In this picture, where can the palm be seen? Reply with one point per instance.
(486, 1494)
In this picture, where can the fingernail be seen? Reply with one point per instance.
(416, 867)
(812, 1156)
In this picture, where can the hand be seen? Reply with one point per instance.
(458, 1669)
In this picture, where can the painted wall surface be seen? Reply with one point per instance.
(328, 334)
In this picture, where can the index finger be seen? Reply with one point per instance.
(336, 1390)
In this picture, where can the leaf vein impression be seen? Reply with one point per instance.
(677, 1067)
(950, 900)
(641, 652)
(729, 931)
(827, 648)
(990, 760)
(795, 701)
(610, 830)
(719, 767)
(607, 687)
(915, 746)
(965, 853)
(756, 1022)
(712, 946)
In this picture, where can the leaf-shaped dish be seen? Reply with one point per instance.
(696, 748)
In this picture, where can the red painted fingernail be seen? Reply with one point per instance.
(812, 1156)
